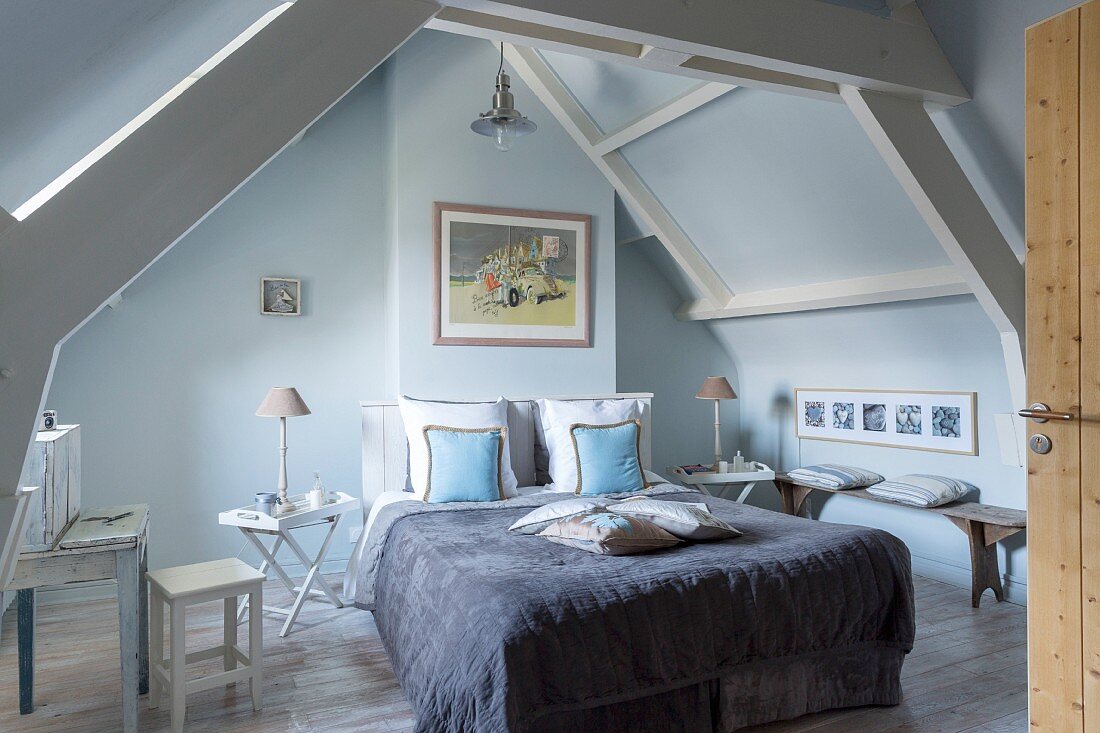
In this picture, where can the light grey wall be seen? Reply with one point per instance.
(166, 384)
(439, 159)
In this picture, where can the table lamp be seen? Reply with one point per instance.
(283, 402)
(717, 389)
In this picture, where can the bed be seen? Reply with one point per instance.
(488, 630)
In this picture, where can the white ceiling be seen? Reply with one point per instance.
(774, 190)
(613, 94)
(75, 71)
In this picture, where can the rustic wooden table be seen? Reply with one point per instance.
(93, 549)
(984, 525)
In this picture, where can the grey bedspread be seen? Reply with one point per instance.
(494, 631)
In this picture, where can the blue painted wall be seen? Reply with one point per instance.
(670, 358)
(941, 344)
(785, 191)
(167, 384)
(437, 158)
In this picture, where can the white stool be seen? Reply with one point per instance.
(189, 584)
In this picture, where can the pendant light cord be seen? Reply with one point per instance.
(501, 69)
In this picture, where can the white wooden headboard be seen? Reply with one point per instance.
(386, 450)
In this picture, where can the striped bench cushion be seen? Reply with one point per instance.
(834, 476)
(921, 489)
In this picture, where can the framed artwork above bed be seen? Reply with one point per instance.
(936, 421)
(511, 277)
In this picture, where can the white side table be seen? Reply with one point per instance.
(718, 484)
(253, 524)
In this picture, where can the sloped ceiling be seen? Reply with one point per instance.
(775, 190)
(75, 71)
(615, 95)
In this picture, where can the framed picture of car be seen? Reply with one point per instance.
(511, 277)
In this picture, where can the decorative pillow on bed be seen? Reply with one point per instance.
(464, 464)
(834, 476)
(608, 458)
(921, 489)
(686, 521)
(542, 517)
(607, 533)
(557, 416)
(418, 413)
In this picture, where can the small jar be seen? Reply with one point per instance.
(265, 503)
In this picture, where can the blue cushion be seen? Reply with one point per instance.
(608, 460)
(464, 464)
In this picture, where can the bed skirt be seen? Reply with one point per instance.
(751, 694)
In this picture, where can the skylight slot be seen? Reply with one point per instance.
(75, 170)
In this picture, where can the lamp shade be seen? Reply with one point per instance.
(282, 402)
(716, 388)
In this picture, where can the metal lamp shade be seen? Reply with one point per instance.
(503, 122)
(486, 124)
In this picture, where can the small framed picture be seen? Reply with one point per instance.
(280, 296)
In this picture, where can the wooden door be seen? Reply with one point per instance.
(1063, 364)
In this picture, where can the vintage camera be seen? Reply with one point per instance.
(49, 420)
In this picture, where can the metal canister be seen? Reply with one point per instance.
(265, 503)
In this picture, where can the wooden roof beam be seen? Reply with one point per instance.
(553, 93)
(934, 282)
(802, 45)
(671, 110)
(920, 160)
(6, 220)
(549, 38)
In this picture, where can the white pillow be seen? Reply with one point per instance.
(558, 415)
(418, 413)
(542, 517)
(686, 521)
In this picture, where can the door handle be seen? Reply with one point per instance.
(1041, 412)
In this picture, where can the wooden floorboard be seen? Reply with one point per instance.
(967, 673)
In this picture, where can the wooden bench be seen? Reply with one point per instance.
(983, 524)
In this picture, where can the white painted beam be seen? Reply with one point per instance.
(934, 282)
(802, 38)
(632, 240)
(65, 260)
(549, 38)
(537, 74)
(663, 56)
(673, 109)
(917, 155)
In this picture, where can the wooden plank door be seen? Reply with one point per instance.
(1089, 178)
(1063, 363)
